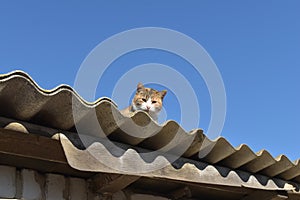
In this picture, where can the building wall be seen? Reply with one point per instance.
(28, 184)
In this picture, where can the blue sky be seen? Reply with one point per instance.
(256, 46)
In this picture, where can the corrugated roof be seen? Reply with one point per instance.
(22, 99)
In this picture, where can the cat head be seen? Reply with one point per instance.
(148, 99)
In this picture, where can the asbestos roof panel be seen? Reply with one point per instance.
(91, 159)
(22, 99)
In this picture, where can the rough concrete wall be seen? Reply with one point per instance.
(7, 182)
(27, 184)
(31, 185)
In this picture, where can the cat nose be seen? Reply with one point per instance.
(148, 107)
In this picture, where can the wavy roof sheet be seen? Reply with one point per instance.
(23, 100)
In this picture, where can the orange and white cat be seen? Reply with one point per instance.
(146, 99)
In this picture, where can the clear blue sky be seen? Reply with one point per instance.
(255, 44)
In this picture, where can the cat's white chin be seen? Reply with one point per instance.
(152, 112)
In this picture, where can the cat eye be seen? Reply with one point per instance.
(154, 101)
(144, 100)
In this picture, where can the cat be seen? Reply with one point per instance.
(146, 99)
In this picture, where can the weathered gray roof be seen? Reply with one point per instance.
(46, 113)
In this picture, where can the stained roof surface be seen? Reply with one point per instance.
(23, 100)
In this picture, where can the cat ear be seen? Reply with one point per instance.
(163, 93)
(140, 86)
